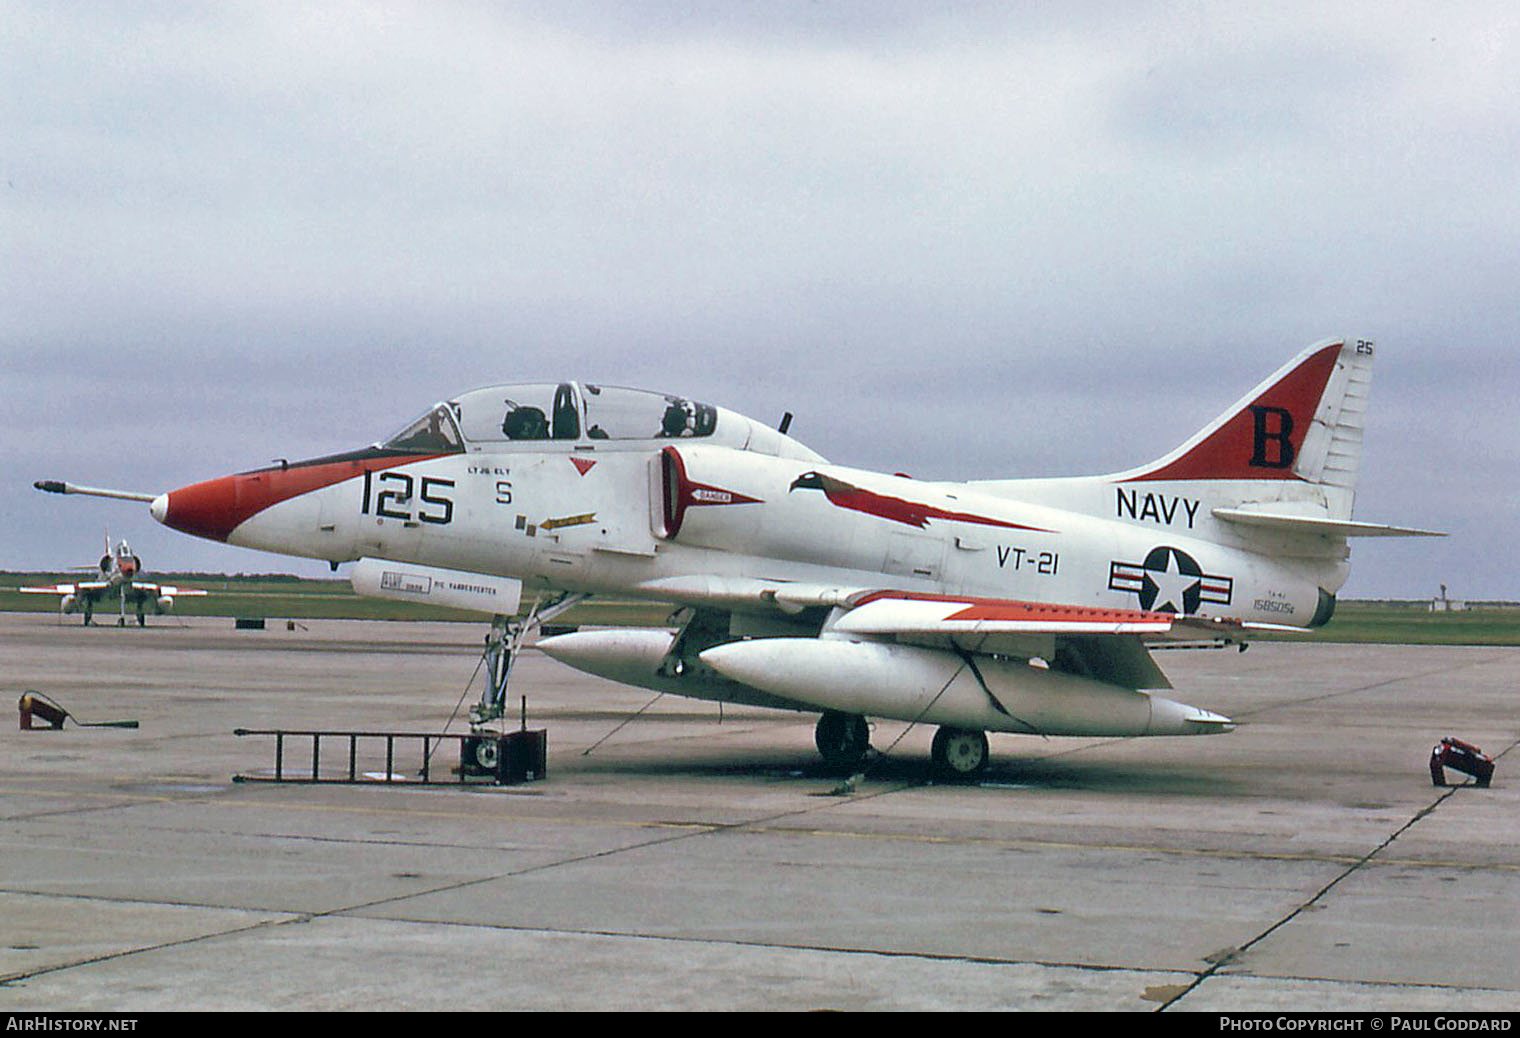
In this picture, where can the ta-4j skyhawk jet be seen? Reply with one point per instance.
(119, 571)
(1016, 605)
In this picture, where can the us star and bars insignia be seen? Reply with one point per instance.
(1170, 581)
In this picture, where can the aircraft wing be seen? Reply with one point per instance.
(56, 589)
(149, 588)
(900, 613)
(95, 589)
(1105, 644)
(85, 587)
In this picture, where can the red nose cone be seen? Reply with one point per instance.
(217, 507)
(208, 509)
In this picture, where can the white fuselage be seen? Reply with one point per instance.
(598, 518)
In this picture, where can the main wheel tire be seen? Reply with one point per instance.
(842, 739)
(959, 754)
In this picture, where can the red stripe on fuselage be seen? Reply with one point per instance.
(215, 508)
(901, 510)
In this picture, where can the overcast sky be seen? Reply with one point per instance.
(959, 240)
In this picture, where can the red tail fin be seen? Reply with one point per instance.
(1284, 428)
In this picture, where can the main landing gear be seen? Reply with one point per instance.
(957, 754)
(842, 739)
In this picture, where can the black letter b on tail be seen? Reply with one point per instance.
(1271, 448)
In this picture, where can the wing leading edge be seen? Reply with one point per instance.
(1106, 645)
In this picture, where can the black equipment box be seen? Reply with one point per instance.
(517, 756)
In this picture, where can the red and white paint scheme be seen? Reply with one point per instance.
(1007, 605)
(118, 571)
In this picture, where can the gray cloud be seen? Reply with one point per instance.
(963, 240)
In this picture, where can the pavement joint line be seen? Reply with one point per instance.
(300, 918)
(1268, 708)
(759, 826)
(1236, 952)
(1111, 807)
(1239, 950)
(698, 830)
(289, 918)
(886, 953)
(12, 979)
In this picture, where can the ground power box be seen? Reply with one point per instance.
(512, 757)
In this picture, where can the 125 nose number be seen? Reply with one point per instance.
(389, 496)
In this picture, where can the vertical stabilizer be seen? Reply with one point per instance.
(1295, 439)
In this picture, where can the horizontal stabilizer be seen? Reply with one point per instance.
(1316, 525)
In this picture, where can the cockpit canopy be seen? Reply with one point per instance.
(570, 412)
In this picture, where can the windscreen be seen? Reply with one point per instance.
(433, 433)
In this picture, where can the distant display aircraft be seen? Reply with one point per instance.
(120, 572)
(1013, 605)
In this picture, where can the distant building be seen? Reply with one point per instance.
(1447, 605)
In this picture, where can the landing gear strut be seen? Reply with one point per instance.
(481, 751)
(506, 638)
(959, 754)
(501, 645)
(842, 739)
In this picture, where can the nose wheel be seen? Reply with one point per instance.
(959, 754)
